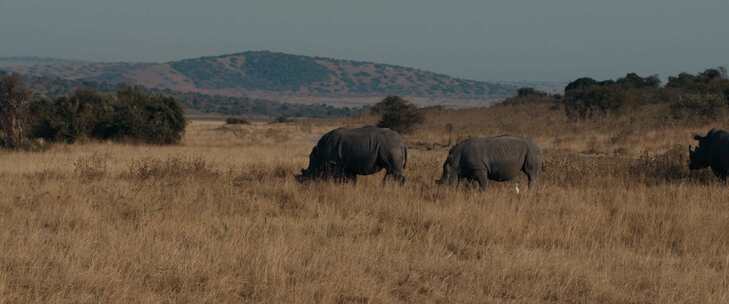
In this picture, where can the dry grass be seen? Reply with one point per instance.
(220, 219)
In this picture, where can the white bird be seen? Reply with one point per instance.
(516, 188)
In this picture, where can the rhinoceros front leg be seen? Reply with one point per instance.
(721, 174)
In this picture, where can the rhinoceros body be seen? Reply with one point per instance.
(344, 153)
(500, 158)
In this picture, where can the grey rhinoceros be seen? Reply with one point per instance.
(499, 158)
(344, 153)
(713, 151)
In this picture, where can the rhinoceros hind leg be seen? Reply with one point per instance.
(482, 178)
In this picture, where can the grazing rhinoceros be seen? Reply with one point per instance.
(498, 158)
(713, 151)
(343, 153)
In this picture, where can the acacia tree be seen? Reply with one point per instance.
(398, 114)
(14, 100)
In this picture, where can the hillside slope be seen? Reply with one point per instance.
(272, 75)
(194, 103)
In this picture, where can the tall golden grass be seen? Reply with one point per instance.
(616, 218)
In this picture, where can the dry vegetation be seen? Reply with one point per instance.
(617, 219)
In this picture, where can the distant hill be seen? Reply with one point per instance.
(195, 103)
(27, 61)
(269, 75)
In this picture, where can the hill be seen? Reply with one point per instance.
(271, 75)
(29, 60)
(195, 103)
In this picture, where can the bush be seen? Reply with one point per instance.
(68, 119)
(154, 119)
(130, 115)
(530, 95)
(282, 119)
(587, 98)
(236, 121)
(530, 92)
(398, 114)
(699, 107)
(593, 101)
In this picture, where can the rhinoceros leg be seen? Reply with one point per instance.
(532, 180)
(721, 174)
(394, 176)
(482, 178)
(532, 171)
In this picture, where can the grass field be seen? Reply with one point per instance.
(617, 218)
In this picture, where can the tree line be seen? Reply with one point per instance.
(704, 95)
(129, 114)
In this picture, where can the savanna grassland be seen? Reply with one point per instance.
(616, 218)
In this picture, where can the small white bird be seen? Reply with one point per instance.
(516, 188)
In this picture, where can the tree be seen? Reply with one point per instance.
(153, 119)
(581, 83)
(634, 81)
(594, 101)
(69, 118)
(530, 92)
(14, 100)
(398, 114)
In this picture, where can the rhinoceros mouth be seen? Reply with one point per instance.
(302, 177)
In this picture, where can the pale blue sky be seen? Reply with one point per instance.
(484, 40)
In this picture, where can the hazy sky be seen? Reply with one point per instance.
(484, 40)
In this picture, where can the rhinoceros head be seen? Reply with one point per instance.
(310, 172)
(303, 177)
(318, 168)
(698, 156)
(450, 176)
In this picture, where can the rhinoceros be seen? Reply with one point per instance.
(499, 158)
(344, 153)
(713, 151)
